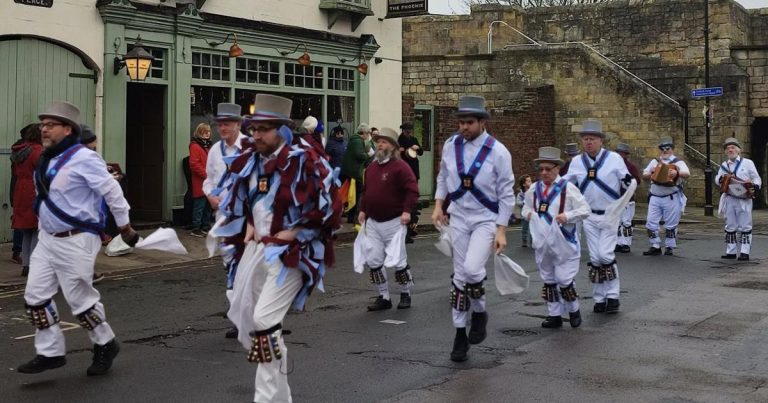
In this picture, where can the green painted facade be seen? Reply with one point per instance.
(178, 36)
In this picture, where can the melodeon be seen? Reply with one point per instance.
(661, 174)
(737, 188)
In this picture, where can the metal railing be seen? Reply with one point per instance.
(700, 156)
(490, 35)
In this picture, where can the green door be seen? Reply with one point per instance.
(32, 73)
(423, 130)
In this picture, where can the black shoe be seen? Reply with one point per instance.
(25, 271)
(408, 239)
(460, 345)
(599, 307)
(41, 363)
(625, 249)
(728, 256)
(552, 322)
(405, 301)
(652, 252)
(16, 258)
(231, 333)
(743, 257)
(617, 248)
(102, 358)
(668, 252)
(575, 318)
(380, 304)
(477, 331)
(612, 306)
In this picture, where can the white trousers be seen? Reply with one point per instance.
(738, 218)
(66, 263)
(379, 238)
(562, 275)
(472, 239)
(601, 243)
(668, 208)
(625, 227)
(272, 304)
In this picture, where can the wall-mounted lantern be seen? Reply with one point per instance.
(137, 62)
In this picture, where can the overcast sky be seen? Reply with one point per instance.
(457, 6)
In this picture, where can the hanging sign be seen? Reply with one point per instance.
(38, 3)
(406, 8)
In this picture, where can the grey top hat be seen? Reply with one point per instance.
(666, 141)
(227, 111)
(549, 154)
(387, 134)
(592, 127)
(63, 112)
(572, 149)
(623, 148)
(271, 108)
(472, 105)
(731, 141)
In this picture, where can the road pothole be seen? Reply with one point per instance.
(519, 332)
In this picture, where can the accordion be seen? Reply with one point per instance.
(737, 188)
(662, 174)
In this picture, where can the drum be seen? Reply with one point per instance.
(411, 153)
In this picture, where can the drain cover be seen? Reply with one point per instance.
(751, 285)
(519, 332)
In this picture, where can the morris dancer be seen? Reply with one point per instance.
(626, 228)
(282, 195)
(228, 125)
(665, 198)
(390, 194)
(72, 186)
(737, 205)
(476, 175)
(554, 198)
(606, 172)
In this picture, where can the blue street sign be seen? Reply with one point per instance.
(707, 92)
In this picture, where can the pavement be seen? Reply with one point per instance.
(10, 272)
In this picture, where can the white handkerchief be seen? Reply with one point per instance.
(164, 239)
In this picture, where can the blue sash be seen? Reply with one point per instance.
(467, 179)
(541, 205)
(724, 167)
(592, 175)
(218, 189)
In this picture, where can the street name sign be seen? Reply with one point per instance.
(707, 92)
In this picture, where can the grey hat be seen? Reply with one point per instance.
(227, 111)
(623, 148)
(572, 149)
(592, 127)
(472, 105)
(363, 128)
(731, 141)
(549, 154)
(666, 141)
(271, 108)
(63, 112)
(87, 135)
(387, 134)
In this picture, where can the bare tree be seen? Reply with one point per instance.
(535, 3)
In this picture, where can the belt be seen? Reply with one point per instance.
(671, 195)
(598, 212)
(67, 234)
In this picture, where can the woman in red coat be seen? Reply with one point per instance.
(24, 157)
(198, 157)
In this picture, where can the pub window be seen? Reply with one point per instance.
(257, 71)
(341, 79)
(297, 75)
(210, 66)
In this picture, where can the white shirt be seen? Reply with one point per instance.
(612, 172)
(262, 209)
(660, 190)
(747, 170)
(576, 207)
(215, 167)
(495, 179)
(78, 189)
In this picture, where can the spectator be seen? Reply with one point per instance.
(198, 159)
(336, 147)
(24, 158)
(356, 158)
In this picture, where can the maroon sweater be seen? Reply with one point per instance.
(390, 190)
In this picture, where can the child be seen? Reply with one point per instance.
(523, 183)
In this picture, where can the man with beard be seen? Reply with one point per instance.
(280, 196)
(742, 182)
(600, 175)
(216, 168)
(390, 193)
(72, 185)
(476, 176)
